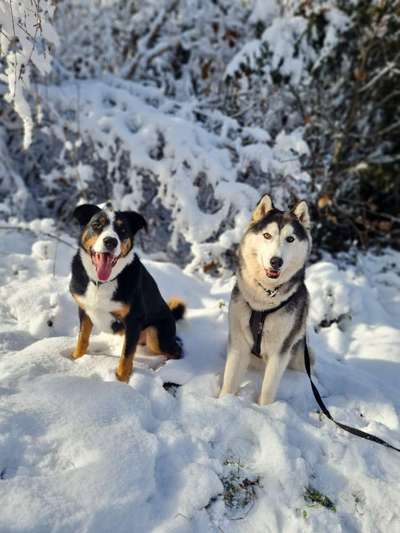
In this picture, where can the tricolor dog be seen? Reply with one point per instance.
(115, 292)
(269, 303)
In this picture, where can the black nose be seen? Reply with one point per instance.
(276, 262)
(110, 243)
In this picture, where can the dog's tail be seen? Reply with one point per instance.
(178, 308)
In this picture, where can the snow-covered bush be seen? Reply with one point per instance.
(195, 175)
(25, 38)
(335, 67)
(189, 110)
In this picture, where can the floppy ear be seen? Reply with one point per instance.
(136, 221)
(83, 213)
(302, 213)
(263, 206)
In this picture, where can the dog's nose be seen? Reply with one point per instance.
(110, 243)
(276, 262)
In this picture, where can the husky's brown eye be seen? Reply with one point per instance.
(267, 236)
(290, 238)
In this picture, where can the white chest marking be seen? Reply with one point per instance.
(98, 304)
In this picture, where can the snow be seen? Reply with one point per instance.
(80, 451)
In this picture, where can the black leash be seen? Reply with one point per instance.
(257, 319)
(324, 409)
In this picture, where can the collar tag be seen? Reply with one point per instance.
(269, 292)
(272, 292)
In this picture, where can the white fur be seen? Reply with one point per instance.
(107, 232)
(98, 305)
(293, 253)
(302, 213)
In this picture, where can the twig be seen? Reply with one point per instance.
(55, 259)
(145, 42)
(34, 232)
(15, 49)
(377, 213)
(378, 76)
(4, 35)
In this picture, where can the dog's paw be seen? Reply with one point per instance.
(122, 375)
(265, 401)
(173, 355)
(77, 355)
(176, 350)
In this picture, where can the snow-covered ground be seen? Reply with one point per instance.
(82, 452)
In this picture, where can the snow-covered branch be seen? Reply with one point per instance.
(25, 38)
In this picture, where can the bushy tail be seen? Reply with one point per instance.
(178, 308)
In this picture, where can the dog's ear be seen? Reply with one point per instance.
(263, 207)
(83, 213)
(135, 221)
(302, 213)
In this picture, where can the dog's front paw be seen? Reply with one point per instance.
(123, 374)
(265, 401)
(76, 354)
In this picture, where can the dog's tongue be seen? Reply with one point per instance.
(271, 273)
(103, 263)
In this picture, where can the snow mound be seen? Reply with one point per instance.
(82, 452)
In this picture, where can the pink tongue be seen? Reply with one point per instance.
(103, 263)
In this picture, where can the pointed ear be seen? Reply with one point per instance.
(302, 213)
(263, 206)
(136, 221)
(83, 213)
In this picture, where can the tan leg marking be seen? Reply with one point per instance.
(83, 337)
(152, 340)
(121, 311)
(142, 338)
(125, 364)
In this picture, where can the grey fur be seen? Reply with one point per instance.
(284, 330)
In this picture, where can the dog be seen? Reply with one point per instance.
(115, 292)
(269, 283)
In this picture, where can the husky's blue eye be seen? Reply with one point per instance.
(290, 238)
(267, 236)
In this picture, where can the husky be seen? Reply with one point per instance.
(269, 284)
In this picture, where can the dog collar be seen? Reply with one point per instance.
(98, 283)
(270, 292)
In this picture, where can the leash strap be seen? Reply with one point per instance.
(324, 409)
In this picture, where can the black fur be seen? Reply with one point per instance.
(281, 218)
(135, 220)
(126, 223)
(297, 305)
(83, 213)
(134, 285)
(178, 311)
